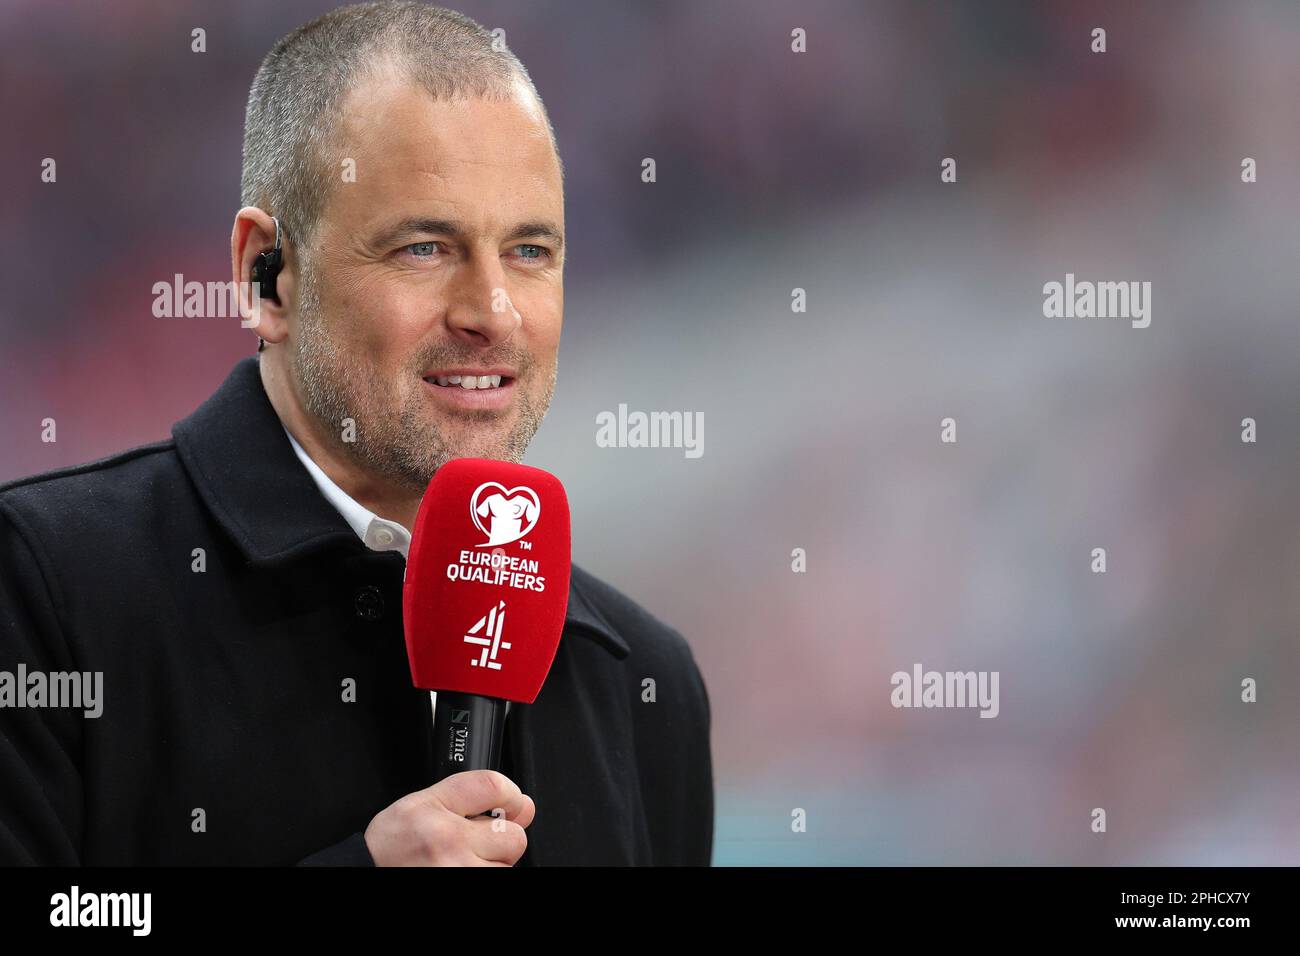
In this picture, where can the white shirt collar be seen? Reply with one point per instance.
(376, 533)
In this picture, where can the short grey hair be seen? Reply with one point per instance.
(293, 106)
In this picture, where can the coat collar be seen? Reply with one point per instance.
(239, 457)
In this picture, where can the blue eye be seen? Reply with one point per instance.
(423, 248)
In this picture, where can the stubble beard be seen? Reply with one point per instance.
(394, 433)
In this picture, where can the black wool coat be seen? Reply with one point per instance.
(225, 736)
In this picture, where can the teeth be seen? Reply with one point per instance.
(469, 381)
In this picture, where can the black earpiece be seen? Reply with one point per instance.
(267, 266)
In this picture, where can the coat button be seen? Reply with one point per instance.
(370, 603)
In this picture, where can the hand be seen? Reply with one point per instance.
(442, 826)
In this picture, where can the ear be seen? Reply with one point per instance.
(254, 233)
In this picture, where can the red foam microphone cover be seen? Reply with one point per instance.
(487, 579)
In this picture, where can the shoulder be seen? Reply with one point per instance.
(78, 497)
(648, 637)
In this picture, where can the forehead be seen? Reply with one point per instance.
(472, 158)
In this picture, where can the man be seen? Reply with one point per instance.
(238, 586)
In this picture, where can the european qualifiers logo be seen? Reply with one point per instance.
(497, 569)
(1098, 300)
(513, 512)
(487, 634)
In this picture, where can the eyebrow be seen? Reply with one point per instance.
(421, 225)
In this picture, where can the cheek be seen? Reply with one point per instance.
(543, 318)
(384, 322)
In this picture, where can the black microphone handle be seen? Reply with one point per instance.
(467, 733)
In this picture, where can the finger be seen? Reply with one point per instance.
(523, 815)
(527, 811)
(503, 841)
(472, 792)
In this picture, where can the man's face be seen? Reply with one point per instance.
(444, 257)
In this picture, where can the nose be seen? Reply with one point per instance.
(480, 311)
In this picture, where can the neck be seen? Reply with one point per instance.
(374, 494)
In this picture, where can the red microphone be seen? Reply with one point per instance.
(486, 591)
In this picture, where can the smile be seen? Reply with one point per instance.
(471, 391)
(468, 381)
